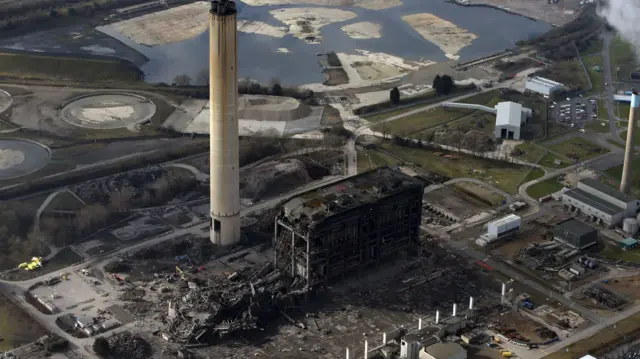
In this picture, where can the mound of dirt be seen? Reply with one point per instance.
(273, 178)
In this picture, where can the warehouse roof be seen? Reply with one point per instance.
(575, 227)
(545, 82)
(601, 187)
(629, 242)
(593, 201)
(509, 113)
(366, 188)
(504, 220)
(444, 350)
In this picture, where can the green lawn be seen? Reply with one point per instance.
(534, 174)
(636, 140)
(532, 152)
(549, 161)
(615, 253)
(64, 201)
(622, 58)
(433, 117)
(616, 172)
(569, 73)
(597, 77)
(603, 114)
(578, 149)
(599, 126)
(55, 68)
(504, 175)
(368, 160)
(544, 188)
(623, 110)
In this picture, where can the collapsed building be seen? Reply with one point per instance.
(348, 226)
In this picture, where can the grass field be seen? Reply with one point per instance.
(64, 258)
(615, 253)
(433, 117)
(623, 136)
(534, 174)
(368, 160)
(16, 326)
(569, 73)
(604, 340)
(549, 161)
(603, 114)
(622, 58)
(532, 152)
(597, 78)
(616, 172)
(578, 149)
(504, 175)
(544, 188)
(64, 201)
(622, 110)
(598, 126)
(56, 68)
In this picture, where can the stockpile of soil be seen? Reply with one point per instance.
(273, 178)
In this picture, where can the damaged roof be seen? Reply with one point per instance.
(365, 188)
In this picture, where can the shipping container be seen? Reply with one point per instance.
(503, 225)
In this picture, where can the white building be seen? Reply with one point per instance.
(510, 117)
(601, 202)
(445, 350)
(503, 226)
(543, 86)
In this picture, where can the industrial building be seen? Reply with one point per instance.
(543, 86)
(503, 226)
(601, 202)
(510, 117)
(348, 226)
(627, 244)
(575, 234)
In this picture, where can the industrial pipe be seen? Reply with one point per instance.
(455, 306)
(437, 316)
(625, 181)
(470, 303)
(419, 323)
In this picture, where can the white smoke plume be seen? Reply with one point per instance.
(624, 16)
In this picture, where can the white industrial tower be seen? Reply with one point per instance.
(223, 123)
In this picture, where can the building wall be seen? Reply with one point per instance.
(609, 220)
(543, 90)
(459, 355)
(515, 130)
(574, 240)
(601, 195)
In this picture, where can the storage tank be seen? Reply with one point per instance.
(630, 225)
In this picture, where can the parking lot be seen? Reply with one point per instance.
(574, 112)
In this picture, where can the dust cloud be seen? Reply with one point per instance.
(624, 16)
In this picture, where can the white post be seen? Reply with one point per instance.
(366, 349)
(454, 309)
(504, 290)
(437, 316)
(347, 357)
(384, 338)
(419, 323)
(470, 303)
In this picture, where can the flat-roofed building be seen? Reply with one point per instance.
(601, 202)
(510, 117)
(543, 86)
(575, 234)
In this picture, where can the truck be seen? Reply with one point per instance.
(507, 354)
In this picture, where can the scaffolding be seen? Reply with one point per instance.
(382, 222)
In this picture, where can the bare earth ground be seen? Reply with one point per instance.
(455, 202)
(448, 36)
(16, 326)
(556, 14)
(627, 286)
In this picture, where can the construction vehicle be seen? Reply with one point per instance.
(507, 354)
(36, 262)
(527, 304)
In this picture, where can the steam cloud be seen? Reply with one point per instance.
(624, 16)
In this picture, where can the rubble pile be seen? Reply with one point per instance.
(272, 178)
(130, 346)
(203, 310)
(99, 190)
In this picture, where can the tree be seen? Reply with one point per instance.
(443, 84)
(203, 77)
(182, 80)
(276, 89)
(394, 95)
(121, 200)
(101, 347)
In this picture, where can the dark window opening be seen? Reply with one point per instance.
(216, 226)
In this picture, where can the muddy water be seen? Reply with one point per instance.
(259, 58)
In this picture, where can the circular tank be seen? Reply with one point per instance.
(630, 225)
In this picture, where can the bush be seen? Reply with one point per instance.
(55, 344)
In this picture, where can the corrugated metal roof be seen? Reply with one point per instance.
(575, 227)
(593, 201)
(601, 187)
(506, 219)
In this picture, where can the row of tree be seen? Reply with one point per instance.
(443, 85)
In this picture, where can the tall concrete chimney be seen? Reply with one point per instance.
(223, 123)
(625, 182)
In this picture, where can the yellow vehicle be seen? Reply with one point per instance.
(507, 354)
(181, 273)
(23, 265)
(36, 262)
